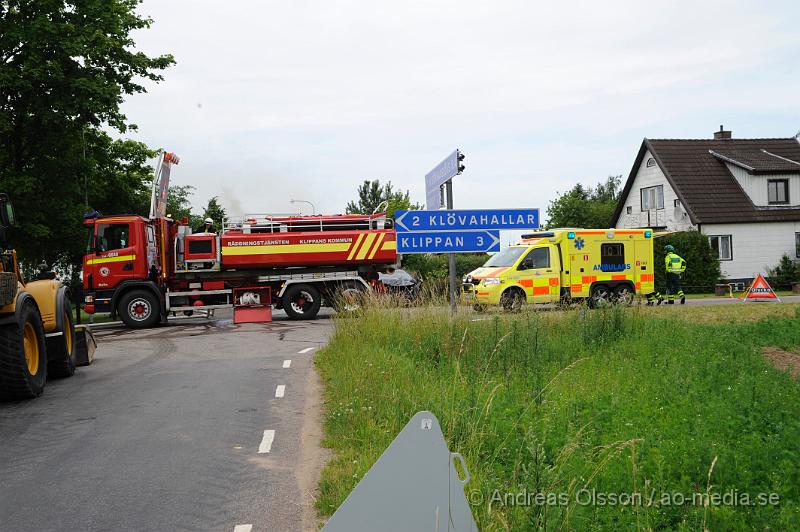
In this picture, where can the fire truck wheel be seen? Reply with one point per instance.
(23, 355)
(139, 309)
(61, 348)
(301, 302)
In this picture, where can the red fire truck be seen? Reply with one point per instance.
(144, 269)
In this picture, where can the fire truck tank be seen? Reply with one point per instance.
(264, 241)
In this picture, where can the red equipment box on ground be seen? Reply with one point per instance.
(252, 305)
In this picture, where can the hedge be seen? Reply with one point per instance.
(702, 262)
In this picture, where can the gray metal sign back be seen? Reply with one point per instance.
(437, 177)
(414, 485)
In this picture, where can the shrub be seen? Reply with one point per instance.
(702, 263)
(784, 274)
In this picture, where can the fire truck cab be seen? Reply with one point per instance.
(124, 269)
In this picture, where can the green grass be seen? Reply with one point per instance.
(618, 401)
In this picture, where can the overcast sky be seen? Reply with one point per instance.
(298, 99)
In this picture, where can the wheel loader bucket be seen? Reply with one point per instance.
(85, 345)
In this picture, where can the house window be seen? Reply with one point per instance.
(778, 191)
(651, 162)
(797, 245)
(653, 198)
(723, 245)
(628, 210)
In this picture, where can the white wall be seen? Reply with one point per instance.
(675, 219)
(756, 246)
(756, 185)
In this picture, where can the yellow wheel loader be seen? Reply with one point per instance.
(37, 332)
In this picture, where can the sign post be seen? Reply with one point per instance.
(450, 231)
(451, 258)
(442, 175)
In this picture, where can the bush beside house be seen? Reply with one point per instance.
(702, 263)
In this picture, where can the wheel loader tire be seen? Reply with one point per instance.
(301, 302)
(139, 309)
(61, 348)
(23, 355)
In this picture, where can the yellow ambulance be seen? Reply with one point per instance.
(565, 265)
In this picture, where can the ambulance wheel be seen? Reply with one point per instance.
(139, 309)
(600, 296)
(512, 299)
(61, 348)
(23, 354)
(301, 302)
(623, 295)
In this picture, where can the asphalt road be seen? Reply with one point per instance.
(166, 431)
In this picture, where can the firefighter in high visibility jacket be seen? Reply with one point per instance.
(675, 267)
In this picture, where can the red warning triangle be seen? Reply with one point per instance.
(760, 289)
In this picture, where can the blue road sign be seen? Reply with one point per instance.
(437, 177)
(466, 220)
(448, 242)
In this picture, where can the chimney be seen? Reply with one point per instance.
(722, 134)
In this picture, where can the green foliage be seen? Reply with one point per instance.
(64, 70)
(215, 211)
(435, 267)
(371, 194)
(784, 273)
(585, 207)
(570, 402)
(179, 204)
(702, 263)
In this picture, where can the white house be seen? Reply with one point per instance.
(743, 193)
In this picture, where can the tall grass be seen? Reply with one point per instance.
(571, 403)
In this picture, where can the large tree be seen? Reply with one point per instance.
(215, 211)
(584, 206)
(65, 67)
(371, 194)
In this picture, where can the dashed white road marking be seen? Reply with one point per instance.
(287, 363)
(280, 390)
(242, 528)
(266, 442)
(306, 350)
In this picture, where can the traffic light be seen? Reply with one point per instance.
(461, 158)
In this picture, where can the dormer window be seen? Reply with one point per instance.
(778, 191)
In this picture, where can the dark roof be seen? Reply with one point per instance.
(705, 186)
(757, 161)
